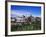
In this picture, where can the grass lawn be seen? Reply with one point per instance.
(25, 27)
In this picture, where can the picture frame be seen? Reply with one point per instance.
(9, 5)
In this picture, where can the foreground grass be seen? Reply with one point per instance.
(25, 27)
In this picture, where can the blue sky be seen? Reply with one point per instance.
(17, 10)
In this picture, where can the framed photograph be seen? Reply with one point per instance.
(24, 18)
